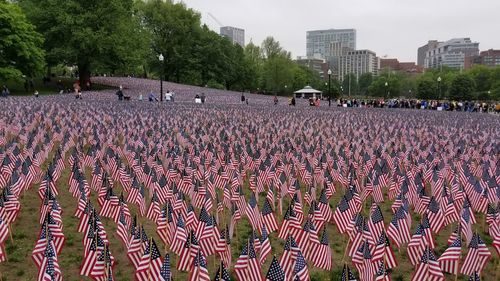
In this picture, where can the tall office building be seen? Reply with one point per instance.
(422, 51)
(358, 62)
(236, 35)
(319, 42)
(455, 53)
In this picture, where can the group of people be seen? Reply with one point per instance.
(169, 96)
(466, 106)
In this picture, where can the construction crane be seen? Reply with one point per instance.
(216, 20)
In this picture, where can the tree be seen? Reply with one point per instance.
(365, 80)
(482, 76)
(20, 53)
(277, 72)
(386, 87)
(426, 89)
(90, 34)
(272, 48)
(350, 84)
(462, 87)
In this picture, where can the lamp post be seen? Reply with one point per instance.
(329, 83)
(349, 85)
(439, 86)
(387, 89)
(286, 89)
(161, 59)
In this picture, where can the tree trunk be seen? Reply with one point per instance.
(84, 73)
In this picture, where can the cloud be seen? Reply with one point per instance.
(389, 27)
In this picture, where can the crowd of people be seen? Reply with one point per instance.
(466, 106)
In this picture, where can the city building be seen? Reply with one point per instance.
(330, 45)
(455, 53)
(318, 42)
(358, 62)
(490, 57)
(422, 51)
(394, 65)
(236, 35)
(314, 63)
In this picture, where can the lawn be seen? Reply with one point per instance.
(17, 87)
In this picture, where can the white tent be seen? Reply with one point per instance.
(308, 92)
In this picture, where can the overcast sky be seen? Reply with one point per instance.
(395, 28)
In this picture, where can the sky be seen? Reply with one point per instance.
(391, 28)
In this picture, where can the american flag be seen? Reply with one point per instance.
(199, 270)
(450, 259)
(165, 272)
(188, 253)
(477, 257)
(4, 230)
(383, 252)
(290, 224)
(347, 275)
(428, 269)
(222, 274)
(275, 272)
(265, 245)
(241, 266)
(289, 257)
(382, 274)
(268, 217)
(150, 265)
(49, 269)
(300, 272)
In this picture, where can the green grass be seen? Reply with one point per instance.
(16, 88)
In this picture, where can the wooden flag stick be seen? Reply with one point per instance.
(149, 265)
(345, 251)
(10, 233)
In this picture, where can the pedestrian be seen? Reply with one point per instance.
(152, 97)
(5, 91)
(242, 98)
(202, 97)
(275, 99)
(119, 93)
(36, 94)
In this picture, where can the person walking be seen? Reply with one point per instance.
(119, 93)
(5, 91)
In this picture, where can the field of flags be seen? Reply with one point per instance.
(95, 189)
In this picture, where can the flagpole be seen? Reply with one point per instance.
(459, 256)
(106, 263)
(149, 265)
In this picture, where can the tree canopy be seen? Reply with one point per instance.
(20, 53)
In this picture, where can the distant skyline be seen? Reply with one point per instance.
(388, 27)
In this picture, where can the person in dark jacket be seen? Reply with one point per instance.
(119, 93)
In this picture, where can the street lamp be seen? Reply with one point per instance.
(387, 89)
(329, 83)
(439, 86)
(161, 59)
(286, 87)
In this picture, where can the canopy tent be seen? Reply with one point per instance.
(308, 92)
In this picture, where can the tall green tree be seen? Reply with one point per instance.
(90, 34)
(426, 89)
(365, 80)
(386, 87)
(175, 32)
(462, 87)
(20, 53)
(350, 85)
